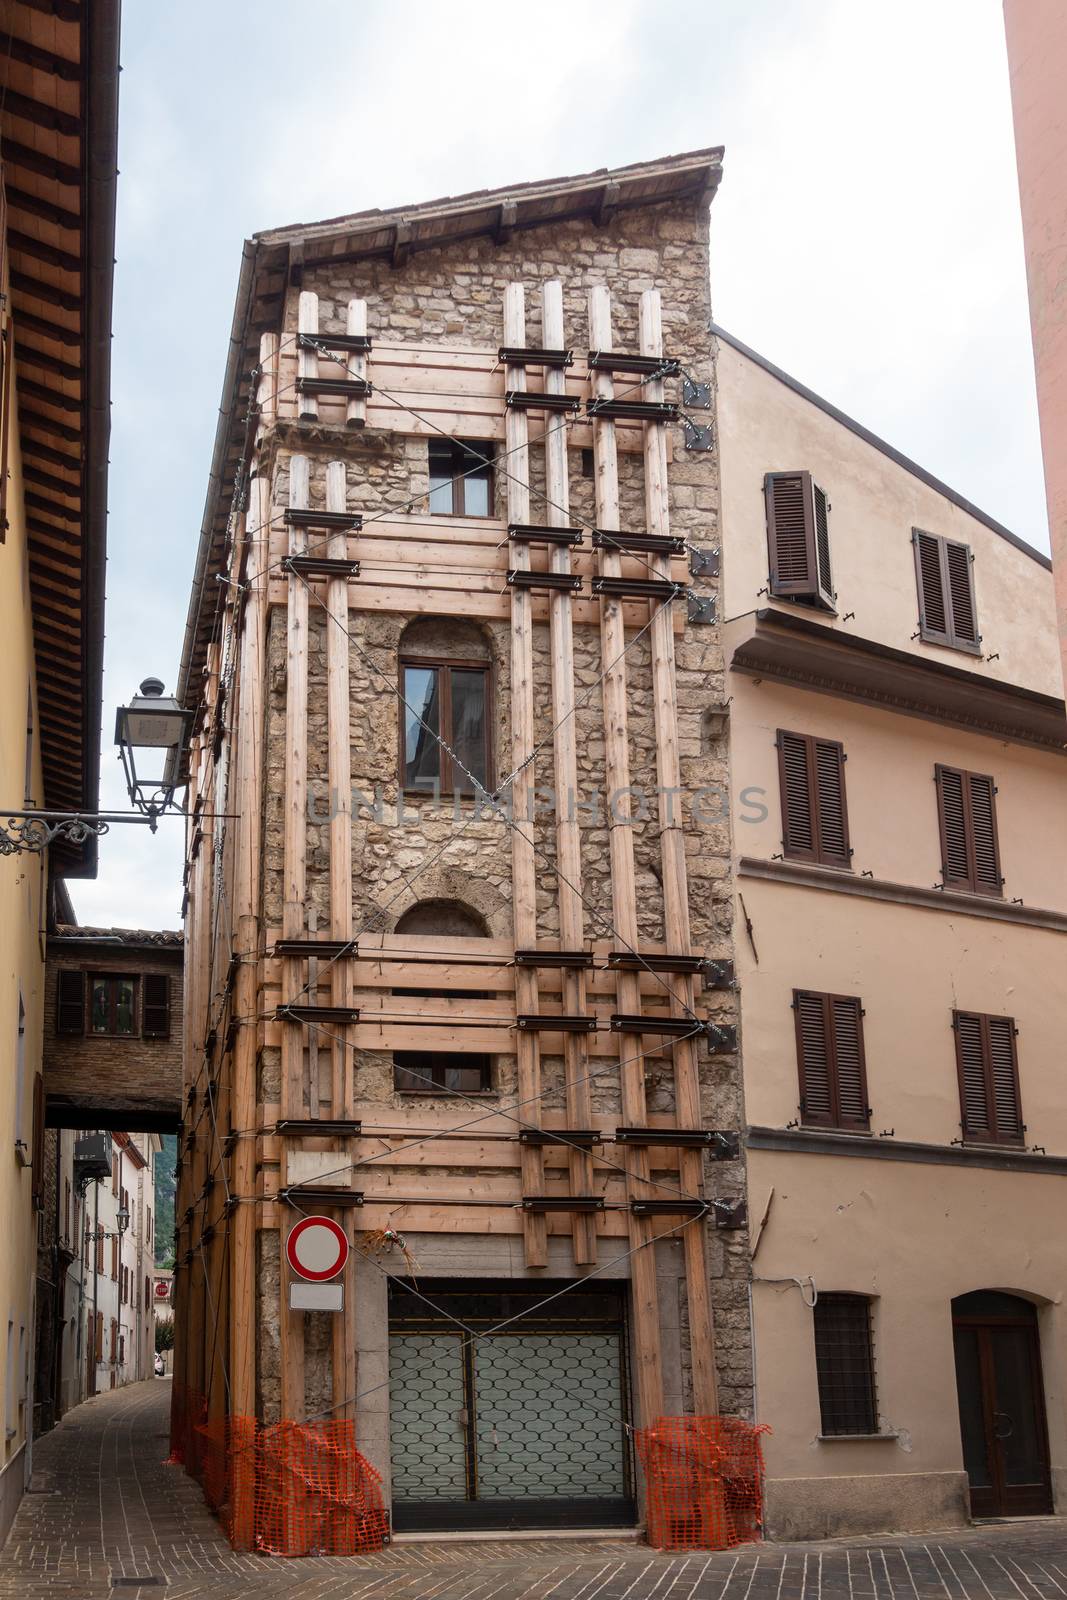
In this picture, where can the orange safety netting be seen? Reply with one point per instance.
(703, 1482)
(287, 1489)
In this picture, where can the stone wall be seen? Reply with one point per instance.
(455, 295)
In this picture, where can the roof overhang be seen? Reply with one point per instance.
(275, 258)
(792, 648)
(59, 74)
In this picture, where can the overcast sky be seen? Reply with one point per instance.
(866, 235)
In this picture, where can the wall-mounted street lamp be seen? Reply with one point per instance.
(154, 724)
(122, 1217)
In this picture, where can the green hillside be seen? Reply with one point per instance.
(165, 1188)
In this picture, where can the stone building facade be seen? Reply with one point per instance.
(373, 950)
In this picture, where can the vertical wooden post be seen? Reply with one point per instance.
(307, 361)
(248, 792)
(623, 887)
(675, 885)
(267, 388)
(356, 415)
(294, 894)
(523, 871)
(565, 752)
(339, 711)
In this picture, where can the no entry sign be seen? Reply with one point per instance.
(317, 1249)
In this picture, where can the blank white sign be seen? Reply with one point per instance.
(316, 1296)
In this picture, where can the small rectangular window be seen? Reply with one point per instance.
(814, 816)
(112, 1006)
(830, 1061)
(988, 1069)
(461, 477)
(445, 703)
(945, 578)
(967, 818)
(844, 1363)
(798, 539)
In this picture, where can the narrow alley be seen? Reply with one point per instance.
(108, 1517)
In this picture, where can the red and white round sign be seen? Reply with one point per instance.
(317, 1249)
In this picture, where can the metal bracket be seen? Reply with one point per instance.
(703, 561)
(696, 394)
(731, 1214)
(698, 435)
(719, 974)
(722, 1038)
(701, 610)
(727, 1145)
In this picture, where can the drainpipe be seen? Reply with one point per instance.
(96, 1271)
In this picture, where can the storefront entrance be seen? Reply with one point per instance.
(1002, 1404)
(524, 1428)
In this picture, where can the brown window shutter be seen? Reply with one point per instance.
(814, 816)
(798, 538)
(945, 578)
(1004, 1079)
(967, 818)
(829, 760)
(850, 1067)
(156, 1006)
(823, 573)
(970, 1060)
(813, 1060)
(959, 568)
(70, 1002)
(988, 1068)
(983, 821)
(830, 1059)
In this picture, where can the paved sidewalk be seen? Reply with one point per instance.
(111, 1519)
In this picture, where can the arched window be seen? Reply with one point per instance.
(439, 1071)
(445, 679)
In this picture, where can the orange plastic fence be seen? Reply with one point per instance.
(291, 1489)
(703, 1482)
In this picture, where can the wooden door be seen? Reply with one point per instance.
(1002, 1405)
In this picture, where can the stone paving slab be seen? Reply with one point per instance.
(113, 1521)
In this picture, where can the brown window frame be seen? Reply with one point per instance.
(113, 979)
(447, 664)
(991, 1134)
(459, 452)
(835, 1120)
(819, 853)
(968, 883)
(949, 636)
(849, 1394)
(816, 586)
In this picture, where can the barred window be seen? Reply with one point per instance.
(844, 1363)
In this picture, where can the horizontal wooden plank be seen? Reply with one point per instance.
(456, 601)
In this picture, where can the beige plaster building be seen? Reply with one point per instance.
(898, 789)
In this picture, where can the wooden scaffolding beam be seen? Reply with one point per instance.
(675, 885)
(647, 1342)
(523, 870)
(565, 756)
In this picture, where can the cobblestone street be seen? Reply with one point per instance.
(108, 1518)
